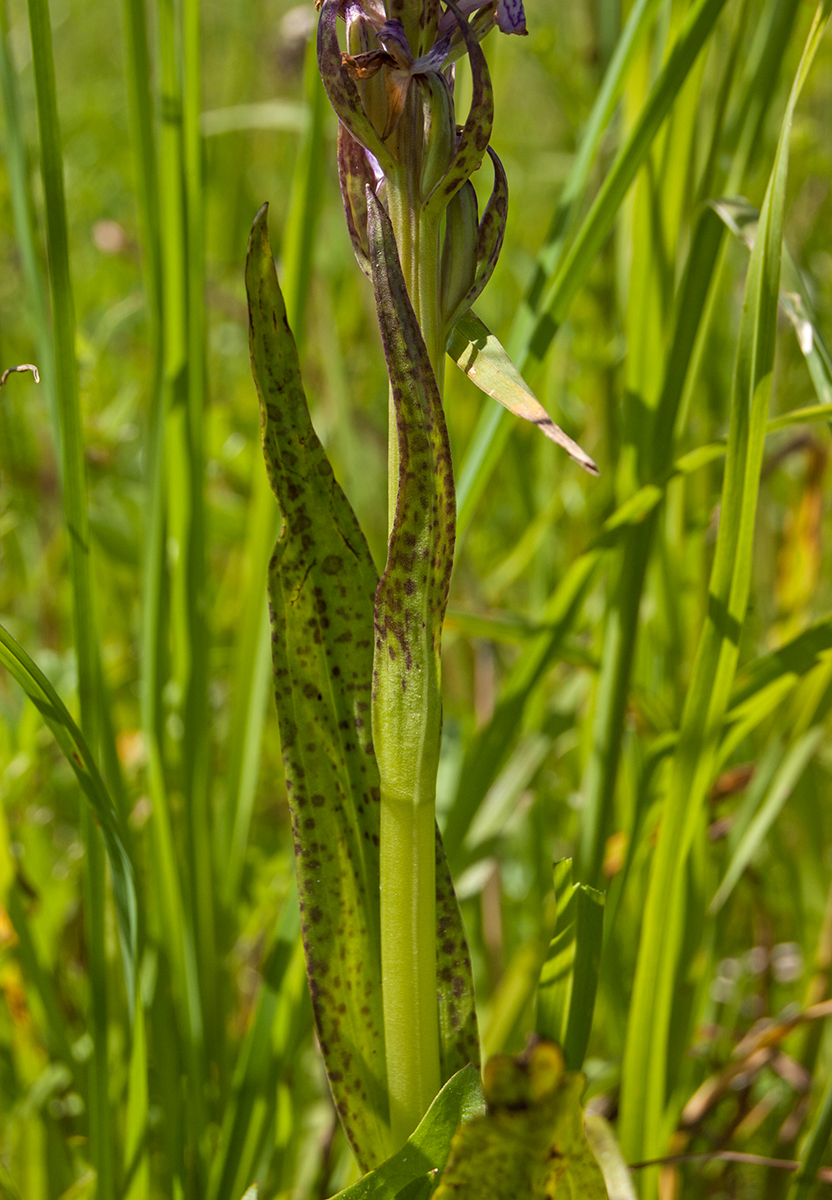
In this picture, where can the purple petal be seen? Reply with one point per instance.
(510, 16)
(448, 20)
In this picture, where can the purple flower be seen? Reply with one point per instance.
(511, 17)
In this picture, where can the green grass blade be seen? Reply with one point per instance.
(490, 436)
(645, 1064)
(795, 762)
(252, 670)
(195, 741)
(569, 976)
(567, 212)
(136, 1177)
(257, 1070)
(22, 203)
(79, 756)
(697, 27)
(601, 771)
(75, 506)
(814, 1149)
(488, 750)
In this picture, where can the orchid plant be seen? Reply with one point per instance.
(356, 660)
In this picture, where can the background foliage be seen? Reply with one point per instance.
(179, 543)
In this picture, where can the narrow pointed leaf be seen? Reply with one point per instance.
(476, 132)
(321, 586)
(491, 230)
(569, 977)
(791, 768)
(479, 354)
(742, 219)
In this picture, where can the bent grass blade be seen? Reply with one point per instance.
(79, 756)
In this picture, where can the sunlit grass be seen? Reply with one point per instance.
(570, 659)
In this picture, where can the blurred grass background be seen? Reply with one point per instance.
(151, 356)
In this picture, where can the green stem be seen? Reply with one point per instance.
(408, 958)
(408, 822)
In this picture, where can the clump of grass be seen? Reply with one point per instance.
(635, 668)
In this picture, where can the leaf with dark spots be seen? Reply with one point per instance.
(343, 93)
(408, 621)
(313, 706)
(410, 607)
(490, 234)
(337, 853)
(480, 355)
(476, 132)
(530, 1142)
(355, 175)
(459, 1041)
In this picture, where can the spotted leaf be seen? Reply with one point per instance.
(321, 587)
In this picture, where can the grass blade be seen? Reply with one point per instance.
(645, 1064)
(791, 768)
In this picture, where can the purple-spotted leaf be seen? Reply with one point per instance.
(459, 1042)
(341, 88)
(487, 247)
(413, 592)
(530, 1143)
(410, 607)
(321, 587)
(355, 175)
(491, 230)
(476, 132)
(478, 353)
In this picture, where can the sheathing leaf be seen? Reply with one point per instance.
(410, 608)
(426, 1150)
(321, 587)
(459, 1041)
(413, 592)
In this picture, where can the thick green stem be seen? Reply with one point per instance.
(408, 837)
(408, 956)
